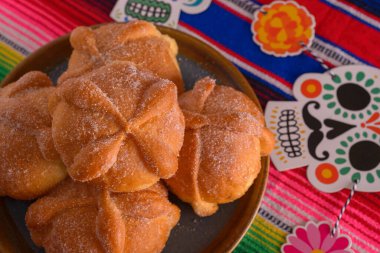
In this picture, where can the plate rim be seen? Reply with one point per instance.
(230, 239)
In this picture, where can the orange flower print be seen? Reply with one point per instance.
(282, 28)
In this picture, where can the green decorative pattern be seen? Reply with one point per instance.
(330, 94)
(344, 163)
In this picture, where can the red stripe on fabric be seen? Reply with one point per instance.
(344, 31)
(88, 11)
(55, 13)
(104, 6)
(55, 21)
(75, 15)
(232, 53)
(233, 11)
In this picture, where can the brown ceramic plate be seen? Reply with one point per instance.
(218, 233)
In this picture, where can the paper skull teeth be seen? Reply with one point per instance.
(333, 128)
(153, 11)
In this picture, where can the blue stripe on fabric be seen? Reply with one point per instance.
(349, 14)
(235, 34)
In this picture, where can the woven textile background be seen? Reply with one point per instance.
(346, 32)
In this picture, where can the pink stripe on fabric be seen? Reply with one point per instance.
(353, 225)
(18, 20)
(56, 24)
(31, 17)
(36, 18)
(22, 33)
(285, 218)
(336, 204)
(285, 207)
(305, 194)
(335, 199)
(15, 37)
(309, 205)
(281, 215)
(327, 210)
(296, 200)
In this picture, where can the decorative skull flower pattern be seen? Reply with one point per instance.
(333, 128)
(316, 238)
(283, 28)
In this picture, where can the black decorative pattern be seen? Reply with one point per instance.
(288, 133)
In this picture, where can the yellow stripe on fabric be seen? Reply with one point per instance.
(276, 233)
(265, 233)
(262, 241)
(6, 60)
(10, 53)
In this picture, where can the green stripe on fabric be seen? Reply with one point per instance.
(4, 71)
(263, 236)
(265, 240)
(6, 65)
(249, 245)
(259, 243)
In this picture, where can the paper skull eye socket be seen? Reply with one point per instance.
(364, 155)
(353, 97)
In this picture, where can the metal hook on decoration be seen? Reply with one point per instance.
(335, 229)
(318, 59)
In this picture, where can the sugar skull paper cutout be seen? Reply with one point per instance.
(165, 12)
(283, 28)
(333, 128)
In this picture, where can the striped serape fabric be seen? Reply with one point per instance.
(347, 32)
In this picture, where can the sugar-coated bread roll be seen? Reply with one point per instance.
(137, 41)
(29, 163)
(224, 139)
(118, 126)
(78, 217)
